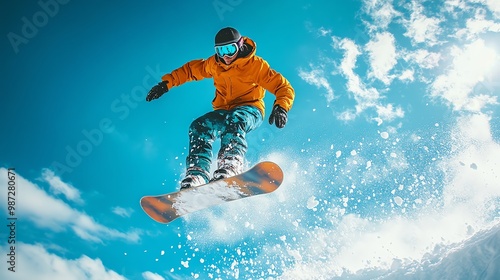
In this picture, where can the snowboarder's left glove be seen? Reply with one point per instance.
(157, 91)
(278, 116)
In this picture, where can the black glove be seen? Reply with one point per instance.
(278, 116)
(157, 91)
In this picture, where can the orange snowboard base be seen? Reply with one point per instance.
(265, 177)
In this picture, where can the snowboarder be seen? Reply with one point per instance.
(241, 79)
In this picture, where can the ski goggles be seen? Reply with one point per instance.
(229, 50)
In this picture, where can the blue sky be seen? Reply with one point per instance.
(391, 149)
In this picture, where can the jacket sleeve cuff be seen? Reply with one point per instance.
(285, 103)
(168, 78)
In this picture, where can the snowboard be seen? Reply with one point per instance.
(265, 177)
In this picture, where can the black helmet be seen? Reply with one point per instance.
(226, 36)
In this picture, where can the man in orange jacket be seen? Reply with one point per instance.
(241, 79)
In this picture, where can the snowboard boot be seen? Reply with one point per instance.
(228, 167)
(222, 173)
(194, 178)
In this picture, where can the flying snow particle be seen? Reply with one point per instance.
(338, 154)
(312, 203)
(473, 166)
(398, 200)
(353, 153)
(162, 252)
(368, 164)
(384, 135)
(185, 264)
(345, 200)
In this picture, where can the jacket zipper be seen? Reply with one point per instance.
(229, 93)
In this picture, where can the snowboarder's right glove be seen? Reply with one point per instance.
(278, 116)
(157, 91)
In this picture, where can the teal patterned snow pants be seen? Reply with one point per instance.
(231, 126)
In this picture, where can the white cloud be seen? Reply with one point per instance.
(423, 58)
(451, 5)
(407, 75)
(456, 6)
(148, 275)
(37, 263)
(388, 112)
(381, 11)
(320, 32)
(317, 78)
(324, 32)
(477, 25)
(57, 186)
(420, 28)
(494, 6)
(470, 66)
(366, 97)
(48, 212)
(382, 55)
(123, 212)
(347, 115)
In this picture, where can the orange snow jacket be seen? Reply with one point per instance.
(243, 82)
